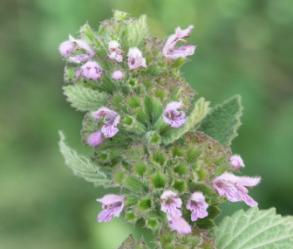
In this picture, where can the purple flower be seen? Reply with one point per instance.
(178, 224)
(170, 50)
(76, 50)
(236, 162)
(91, 70)
(135, 59)
(173, 116)
(115, 52)
(110, 120)
(112, 206)
(117, 75)
(234, 187)
(95, 139)
(171, 203)
(198, 206)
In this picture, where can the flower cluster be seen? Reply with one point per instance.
(171, 205)
(78, 51)
(143, 123)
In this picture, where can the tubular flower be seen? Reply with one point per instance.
(90, 71)
(171, 204)
(135, 59)
(115, 52)
(170, 50)
(173, 116)
(234, 187)
(112, 206)
(76, 50)
(110, 120)
(236, 162)
(95, 139)
(198, 206)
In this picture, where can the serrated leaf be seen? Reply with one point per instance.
(82, 166)
(197, 114)
(83, 98)
(137, 31)
(255, 229)
(223, 121)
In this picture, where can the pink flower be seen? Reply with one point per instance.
(135, 59)
(115, 52)
(76, 50)
(110, 120)
(236, 162)
(95, 139)
(170, 50)
(112, 206)
(171, 203)
(90, 71)
(117, 75)
(198, 206)
(178, 224)
(234, 187)
(173, 116)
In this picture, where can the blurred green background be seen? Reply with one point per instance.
(244, 47)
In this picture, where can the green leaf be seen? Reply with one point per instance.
(197, 114)
(88, 34)
(153, 109)
(137, 31)
(81, 165)
(83, 98)
(223, 121)
(255, 229)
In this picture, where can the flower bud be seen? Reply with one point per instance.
(236, 162)
(95, 139)
(117, 75)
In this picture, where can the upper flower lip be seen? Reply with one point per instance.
(110, 199)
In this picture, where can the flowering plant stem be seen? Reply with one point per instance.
(163, 151)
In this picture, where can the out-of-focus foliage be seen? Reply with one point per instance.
(244, 47)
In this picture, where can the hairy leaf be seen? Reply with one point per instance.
(198, 113)
(137, 31)
(82, 166)
(255, 229)
(223, 121)
(83, 98)
(153, 109)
